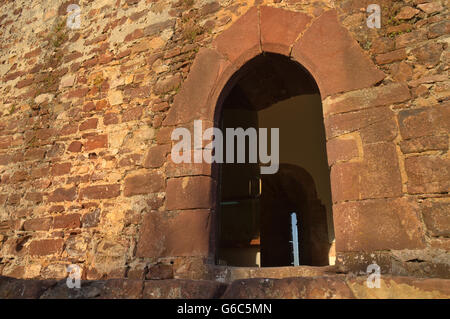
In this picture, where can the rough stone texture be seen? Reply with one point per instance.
(195, 92)
(437, 217)
(376, 176)
(87, 114)
(428, 174)
(367, 98)
(275, 22)
(182, 289)
(340, 150)
(323, 287)
(143, 184)
(190, 192)
(328, 51)
(183, 233)
(289, 288)
(385, 223)
(419, 263)
(44, 247)
(241, 41)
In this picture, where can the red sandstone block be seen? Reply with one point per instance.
(187, 169)
(130, 160)
(89, 106)
(78, 93)
(96, 141)
(339, 124)
(33, 53)
(45, 134)
(136, 34)
(40, 172)
(377, 176)
(59, 169)
(132, 114)
(345, 183)
(382, 45)
(428, 54)
(101, 104)
(341, 150)
(275, 22)
(46, 247)
(428, 174)
(75, 146)
(189, 234)
(105, 58)
(72, 56)
(5, 142)
(380, 224)
(384, 131)
(436, 215)
(123, 54)
(190, 193)
(89, 124)
(426, 121)
(241, 41)
(37, 224)
(19, 176)
(410, 38)
(138, 93)
(68, 221)
(423, 144)
(156, 156)
(100, 191)
(163, 136)
(380, 175)
(68, 129)
(385, 58)
(13, 76)
(34, 154)
(63, 194)
(110, 118)
(56, 209)
(336, 61)
(34, 197)
(144, 183)
(24, 83)
(367, 98)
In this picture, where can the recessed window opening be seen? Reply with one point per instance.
(281, 219)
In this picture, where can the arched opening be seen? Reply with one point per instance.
(284, 218)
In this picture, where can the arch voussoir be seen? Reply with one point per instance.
(241, 42)
(334, 58)
(280, 29)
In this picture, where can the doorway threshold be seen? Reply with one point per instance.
(229, 273)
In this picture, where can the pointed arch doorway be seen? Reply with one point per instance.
(320, 44)
(254, 215)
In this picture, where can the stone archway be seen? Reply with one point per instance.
(322, 45)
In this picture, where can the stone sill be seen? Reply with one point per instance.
(321, 287)
(229, 274)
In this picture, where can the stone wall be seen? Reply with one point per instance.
(85, 176)
(335, 287)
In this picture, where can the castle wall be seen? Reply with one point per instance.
(85, 171)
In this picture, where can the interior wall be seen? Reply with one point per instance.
(300, 120)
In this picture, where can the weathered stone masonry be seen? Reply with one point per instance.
(86, 176)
